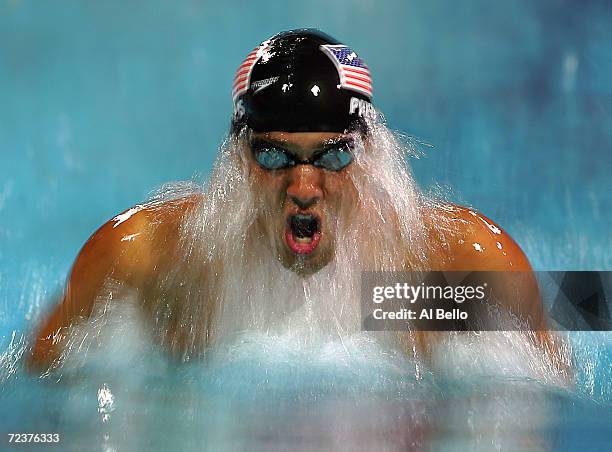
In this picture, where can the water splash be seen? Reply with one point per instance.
(266, 345)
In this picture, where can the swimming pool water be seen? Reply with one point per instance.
(100, 103)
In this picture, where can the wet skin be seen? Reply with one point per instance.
(302, 189)
(130, 250)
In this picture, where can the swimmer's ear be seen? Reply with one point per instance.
(361, 143)
(240, 147)
(244, 156)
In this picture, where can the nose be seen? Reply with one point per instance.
(305, 186)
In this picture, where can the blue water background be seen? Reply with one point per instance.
(101, 102)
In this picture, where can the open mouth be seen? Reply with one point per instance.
(303, 233)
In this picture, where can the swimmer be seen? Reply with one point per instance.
(310, 189)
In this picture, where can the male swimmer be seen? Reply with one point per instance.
(309, 190)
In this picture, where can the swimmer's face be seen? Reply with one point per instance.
(304, 182)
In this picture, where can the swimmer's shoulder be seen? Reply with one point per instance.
(133, 242)
(471, 241)
(126, 250)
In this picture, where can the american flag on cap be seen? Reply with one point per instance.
(354, 73)
(243, 74)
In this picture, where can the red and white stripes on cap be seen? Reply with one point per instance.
(243, 74)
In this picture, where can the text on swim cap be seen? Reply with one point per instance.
(262, 84)
(361, 107)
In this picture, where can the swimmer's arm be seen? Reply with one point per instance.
(119, 252)
(485, 246)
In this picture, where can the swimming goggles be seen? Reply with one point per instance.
(337, 156)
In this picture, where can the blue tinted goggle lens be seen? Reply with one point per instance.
(332, 159)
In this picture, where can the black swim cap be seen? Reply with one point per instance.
(302, 81)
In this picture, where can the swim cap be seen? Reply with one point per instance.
(302, 81)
